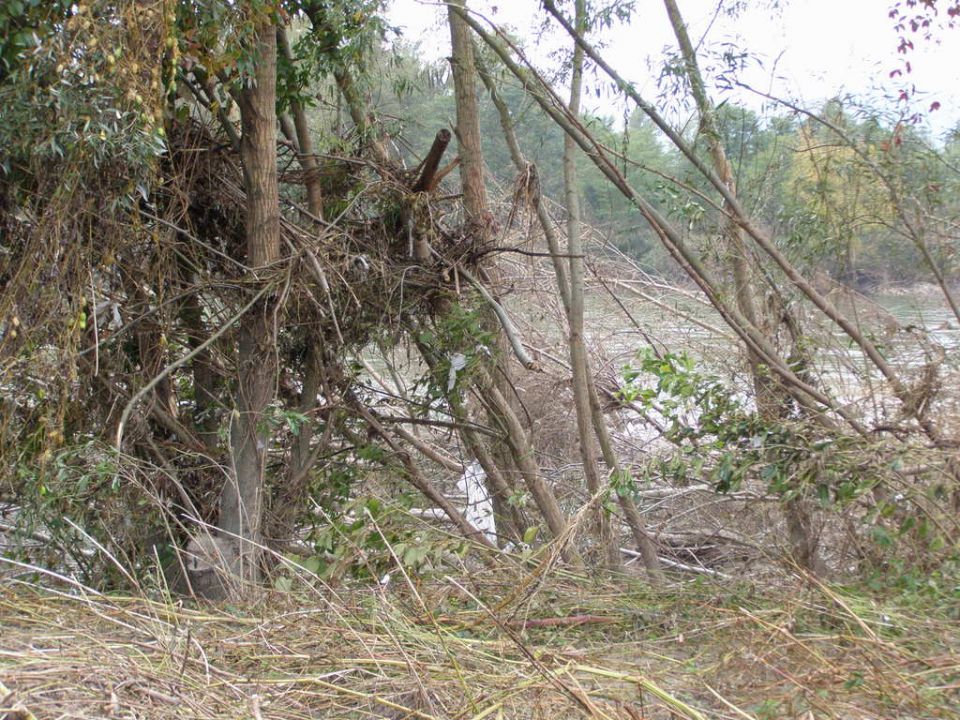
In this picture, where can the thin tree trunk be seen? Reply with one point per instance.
(767, 396)
(578, 351)
(359, 112)
(241, 504)
(510, 521)
(645, 544)
(771, 396)
(648, 551)
(468, 116)
(303, 450)
(475, 206)
(206, 376)
(522, 452)
(301, 455)
(305, 151)
(360, 115)
(417, 479)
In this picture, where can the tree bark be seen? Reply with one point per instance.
(468, 115)
(241, 504)
(771, 396)
(645, 544)
(522, 452)
(305, 152)
(609, 548)
(476, 209)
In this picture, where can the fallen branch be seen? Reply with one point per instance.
(428, 179)
(508, 328)
(680, 566)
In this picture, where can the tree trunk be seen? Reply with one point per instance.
(522, 452)
(468, 116)
(305, 151)
(771, 396)
(241, 504)
(478, 216)
(317, 11)
(609, 548)
(645, 544)
(207, 385)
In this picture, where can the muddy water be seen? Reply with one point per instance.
(927, 311)
(910, 329)
(703, 334)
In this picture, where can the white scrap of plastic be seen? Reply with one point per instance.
(479, 511)
(458, 361)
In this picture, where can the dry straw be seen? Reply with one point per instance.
(475, 648)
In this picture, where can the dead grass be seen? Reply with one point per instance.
(509, 644)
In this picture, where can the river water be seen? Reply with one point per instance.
(911, 330)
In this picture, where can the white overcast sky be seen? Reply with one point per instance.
(810, 49)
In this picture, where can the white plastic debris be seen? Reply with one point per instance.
(458, 362)
(479, 511)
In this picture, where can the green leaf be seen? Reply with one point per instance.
(284, 583)
(311, 564)
(881, 536)
(823, 495)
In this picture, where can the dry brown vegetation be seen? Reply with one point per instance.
(511, 644)
(236, 319)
